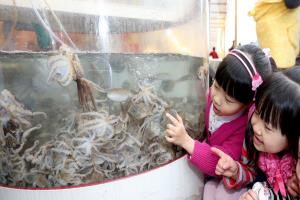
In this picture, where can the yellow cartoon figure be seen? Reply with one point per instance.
(278, 28)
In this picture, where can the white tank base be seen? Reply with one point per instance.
(175, 181)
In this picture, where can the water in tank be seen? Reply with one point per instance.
(85, 86)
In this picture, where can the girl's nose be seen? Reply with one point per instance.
(255, 124)
(216, 99)
(257, 127)
(258, 132)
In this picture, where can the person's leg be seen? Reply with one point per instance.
(228, 194)
(210, 188)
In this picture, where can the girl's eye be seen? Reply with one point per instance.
(268, 128)
(229, 100)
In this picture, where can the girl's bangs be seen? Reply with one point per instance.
(269, 112)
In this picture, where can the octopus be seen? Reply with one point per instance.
(145, 103)
(65, 68)
(13, 111)
(17, 142)
(100, 122)
(86, 145)
(147, 96)
(118, 94)
(151, 127)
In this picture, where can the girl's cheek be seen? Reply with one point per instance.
(298, 171)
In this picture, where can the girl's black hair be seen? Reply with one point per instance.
(233, 77)
(291, 4)
(277, 102)
(294, 75)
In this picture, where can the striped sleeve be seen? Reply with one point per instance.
(246, 172)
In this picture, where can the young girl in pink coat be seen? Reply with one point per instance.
(271, 142)
(232, 93)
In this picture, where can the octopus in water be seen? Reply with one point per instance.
(65, 68)
(13, 111)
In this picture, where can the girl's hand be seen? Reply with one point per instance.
(293, 186)
(177, 134)
(249, 195)
(226, 165)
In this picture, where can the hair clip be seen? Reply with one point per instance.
(256, 78)
(267, 52)
(256, 81)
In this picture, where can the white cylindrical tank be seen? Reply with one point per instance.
(84, 91)
(174, 181)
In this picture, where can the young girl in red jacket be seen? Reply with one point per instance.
(271, 142)
(238, 76)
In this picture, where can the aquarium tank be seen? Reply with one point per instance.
(85, 86)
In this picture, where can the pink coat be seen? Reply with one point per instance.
(228, 138)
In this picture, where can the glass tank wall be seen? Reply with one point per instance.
(85, 86)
